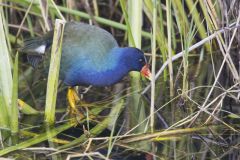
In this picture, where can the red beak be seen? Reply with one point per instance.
(145, 71)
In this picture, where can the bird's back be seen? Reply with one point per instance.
(86, 53)
(85, 46)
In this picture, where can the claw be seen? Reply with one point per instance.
(73, 98)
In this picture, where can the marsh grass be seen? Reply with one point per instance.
(191, 110)
(52, 84)
(6, 75)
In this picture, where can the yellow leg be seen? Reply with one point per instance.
(73, 99)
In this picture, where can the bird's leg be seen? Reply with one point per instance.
(73, 98)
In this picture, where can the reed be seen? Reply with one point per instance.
(52, 84)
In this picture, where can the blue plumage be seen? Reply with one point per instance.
(90, 56)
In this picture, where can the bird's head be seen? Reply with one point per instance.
(135, 60)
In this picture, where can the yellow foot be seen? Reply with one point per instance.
(73, 98)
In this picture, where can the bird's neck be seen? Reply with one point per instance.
(118, 59)
(124, 57)
(118, 64)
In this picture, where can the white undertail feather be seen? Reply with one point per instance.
(41, 49)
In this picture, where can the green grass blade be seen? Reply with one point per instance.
(14, 109)
(192, 5)
(134, 16)
(4, 120)
(153, 65)
(35, 140)
(169, 38)
(115, 111)
(54, 72)
(129, 28)
(27, 109)
(5, 73)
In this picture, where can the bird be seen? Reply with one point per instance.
(90, 56)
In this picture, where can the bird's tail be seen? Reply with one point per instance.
(35, 48)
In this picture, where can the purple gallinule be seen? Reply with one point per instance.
(90, 56)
